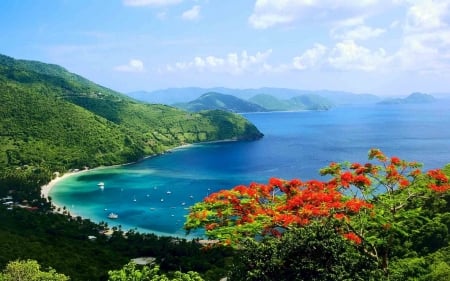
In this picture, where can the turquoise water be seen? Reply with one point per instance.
(154, 194)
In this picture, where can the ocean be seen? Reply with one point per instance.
(154, 195)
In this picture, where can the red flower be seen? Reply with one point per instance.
(439, 188)
(395, 161)
(295, 183)
(275, 182)
(415, 173)
(404, 183)
(356, 204)
(438, 175)
(361, 180)
(346, 178)
(340, 216)
(353, 237)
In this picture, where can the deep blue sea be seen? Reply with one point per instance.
(153, 195)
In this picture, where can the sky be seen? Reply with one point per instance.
(364, 46)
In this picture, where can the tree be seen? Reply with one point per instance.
(313, 252)
(372, 204)
(29, 270)
(131, 272)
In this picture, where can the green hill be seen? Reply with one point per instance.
(213, 100)
(257, 103)
(271, 103)
(53, 118)
(301, 102)
(311, 102)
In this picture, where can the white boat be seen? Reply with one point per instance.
(169, 192)
(113, 216)
(101, 185)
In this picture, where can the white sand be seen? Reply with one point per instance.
(45, 189)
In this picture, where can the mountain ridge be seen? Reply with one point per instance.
(177, 95)
(214, 100)
(61, 120)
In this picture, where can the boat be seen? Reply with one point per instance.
(169, 192)
(101, 185)
(113, 216)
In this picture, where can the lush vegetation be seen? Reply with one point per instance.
(257, 103)
(53, 120)
(61, 242)
(214, 100)
(131, 272)
(29, 270)
(177, 95)
(385, 219)
(300, 102)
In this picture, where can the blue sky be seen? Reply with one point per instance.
(366, 46)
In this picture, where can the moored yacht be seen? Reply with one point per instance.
(113, 216)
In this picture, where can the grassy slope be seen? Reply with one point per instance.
(58, 118)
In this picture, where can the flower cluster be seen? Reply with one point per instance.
(438, 181)
(348, 195)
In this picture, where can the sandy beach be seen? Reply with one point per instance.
(45, 189)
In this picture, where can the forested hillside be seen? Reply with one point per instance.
(213, 100)
(52, 120)
(58, 119)
(301, 102)
(258, 103)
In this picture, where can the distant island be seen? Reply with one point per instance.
(184, 95)
(267, 99)
(257, 103)
(414, 98)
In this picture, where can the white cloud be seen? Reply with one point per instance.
(427, 14)
(344, 56)
(426, 38)
(347, 55)
(266, 20)
(191, 14)
(232, 63)
(268, 13)
(310, 58)
(360, 32)
(138, 3)
(134, 65)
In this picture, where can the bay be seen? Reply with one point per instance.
(154, 195)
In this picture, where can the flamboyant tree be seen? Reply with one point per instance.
(373, 204)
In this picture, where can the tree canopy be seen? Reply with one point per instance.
(377, 207)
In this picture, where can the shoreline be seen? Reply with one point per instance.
(45, 189)
(45, 192)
